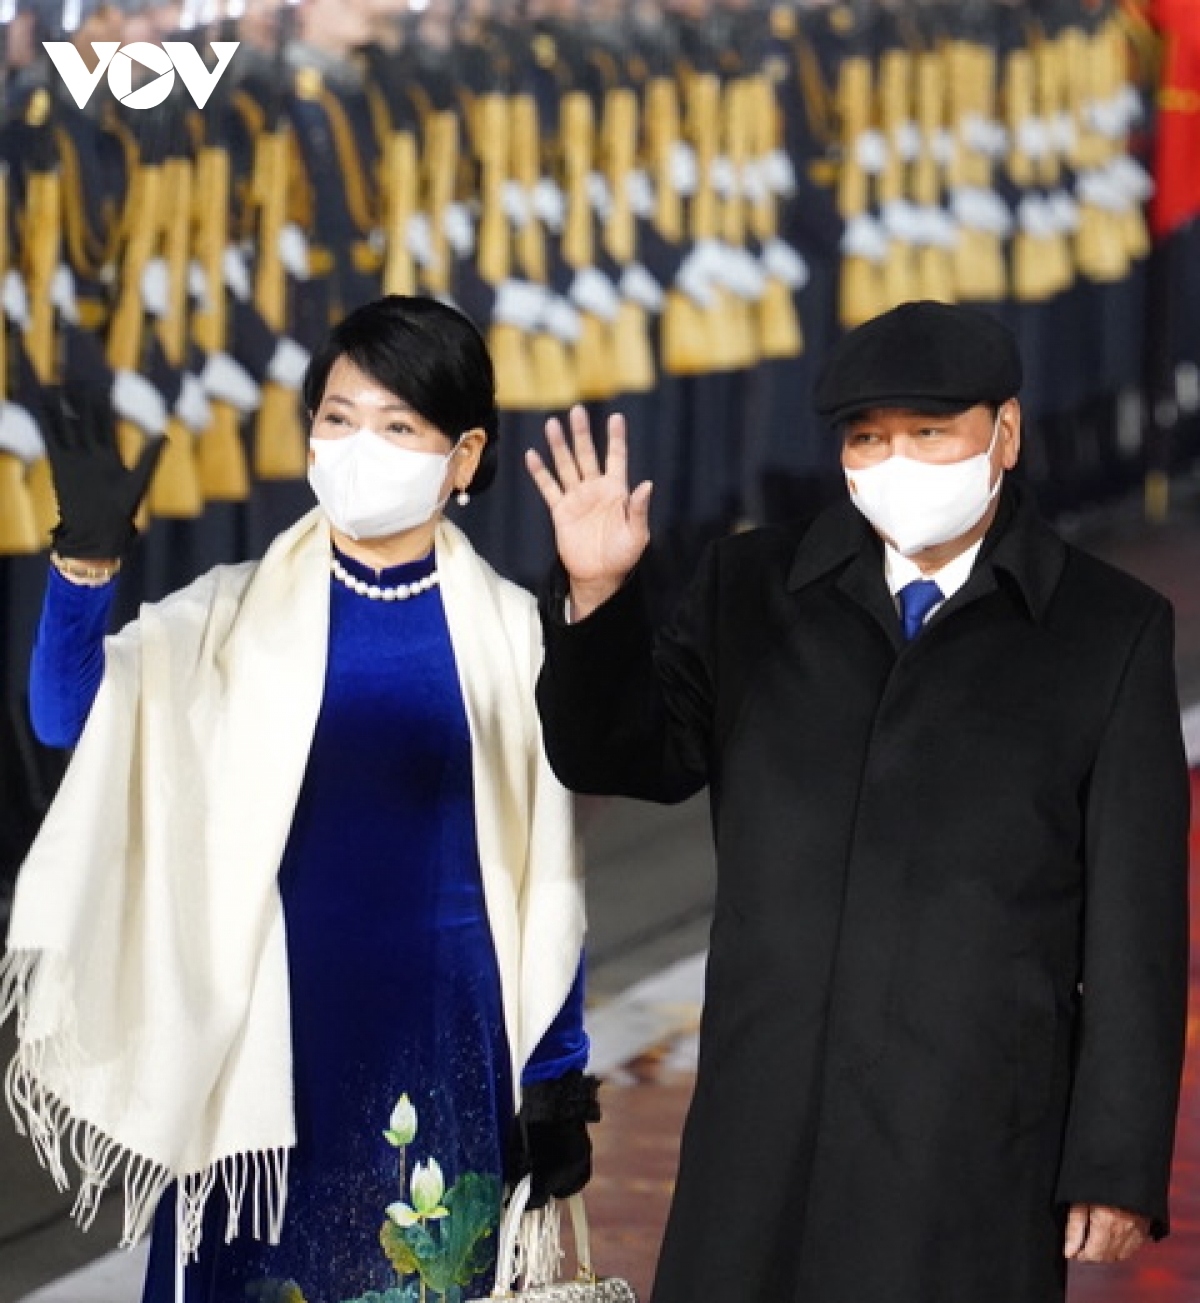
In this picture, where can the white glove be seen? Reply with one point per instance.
(419, 239)
(783, 263)
(192, 406)
(1033, 138)
(981, 210)
(519, 303)
(198, 285)
(459, 229)
(977, 132)
(237, 273)
(515, 201)
(1036, 217)
(1064, 211)
(1107, 117)
(16, 299)
(639, 286)
(1131, 178)
(1096, 187)
(864, 237)
(288, 364)
(780, 172)
(871, 151)
(754, 180)
(742, 273)
(902, 221)
(938, 229)
(724, 177)
(695, 277)
(640, 190)
(156, 287)
(562, 319)
(908, 140)
(135, 399)
(62, 293)
(599, 194)
(941, 146)
(998, 145)
(19, 434)
(1063, 133)
(592, 291)
(550, 204)
(1132, 109)
(293, 250)
(683, 168)
(227, 381)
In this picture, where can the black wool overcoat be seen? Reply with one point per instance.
(947, 977)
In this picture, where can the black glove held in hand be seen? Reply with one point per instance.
(550, 1138)
(98, 494)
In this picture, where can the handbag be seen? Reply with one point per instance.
(587, 1287)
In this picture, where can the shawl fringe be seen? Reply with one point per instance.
(539, 1250)
(258, 1179)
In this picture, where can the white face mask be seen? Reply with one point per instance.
(369, 488)
(918, 504)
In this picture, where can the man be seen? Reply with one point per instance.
(945, 1000)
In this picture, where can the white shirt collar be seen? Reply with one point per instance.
(901, 570)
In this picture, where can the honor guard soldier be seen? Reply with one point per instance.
(266, 267)
(764, 185)
(490, 284)
(803, 58)
(703, 327)
(24, 523)
(338, 155)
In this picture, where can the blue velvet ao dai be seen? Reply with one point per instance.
(395, 993)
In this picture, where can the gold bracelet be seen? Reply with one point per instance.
(79, 572)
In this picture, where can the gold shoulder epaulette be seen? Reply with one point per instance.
(37, 111)
(252, 112)
(783, 22)
(545, 51)
(309, 83)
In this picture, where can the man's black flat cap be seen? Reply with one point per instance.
(921, 357)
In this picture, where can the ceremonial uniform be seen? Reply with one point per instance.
(801, 57)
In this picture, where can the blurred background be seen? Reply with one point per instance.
(667, 208)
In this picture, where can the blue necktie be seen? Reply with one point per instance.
(916, 601)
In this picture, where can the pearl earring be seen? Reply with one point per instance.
(463, 498)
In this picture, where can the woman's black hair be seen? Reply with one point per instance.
(426, 353)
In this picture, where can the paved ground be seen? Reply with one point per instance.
(650, 893)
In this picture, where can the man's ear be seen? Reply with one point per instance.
(1010, 433)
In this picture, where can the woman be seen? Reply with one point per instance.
(308, 898)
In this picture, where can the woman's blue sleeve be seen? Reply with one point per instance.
(68, 658)
(565, 1045)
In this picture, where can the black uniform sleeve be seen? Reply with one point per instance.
(1120, 1129)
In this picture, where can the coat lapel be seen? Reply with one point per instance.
(841, 544)
(1020, 554)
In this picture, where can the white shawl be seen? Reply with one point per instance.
(146, 958)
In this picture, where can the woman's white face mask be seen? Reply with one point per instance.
(370, 488)
(918, 504)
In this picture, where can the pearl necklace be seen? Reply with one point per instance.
(377, 594)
